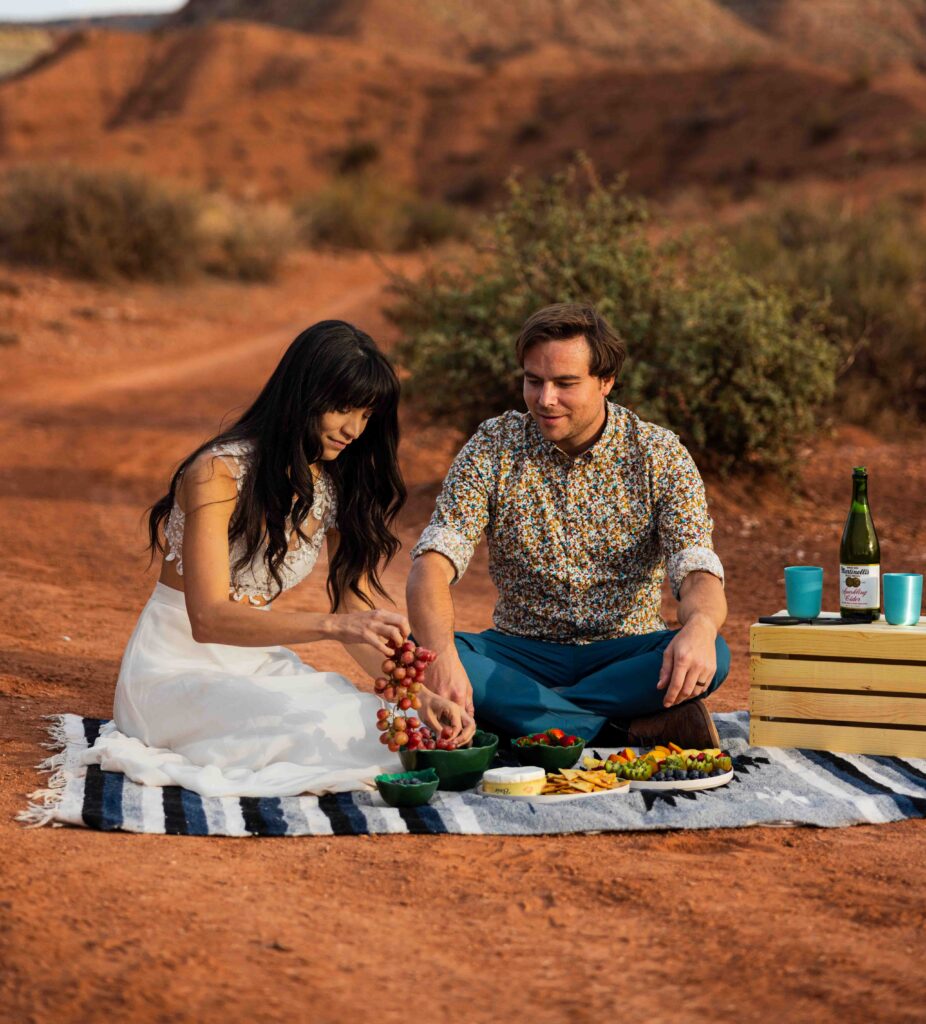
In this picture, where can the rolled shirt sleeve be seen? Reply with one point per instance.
(684, 524)
(462, 509)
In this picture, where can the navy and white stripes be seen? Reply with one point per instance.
(772, 786)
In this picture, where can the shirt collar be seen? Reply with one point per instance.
(598, 449)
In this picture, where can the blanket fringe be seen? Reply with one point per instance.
(44, 802)
(57, 733)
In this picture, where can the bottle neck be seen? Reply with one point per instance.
(860, 491)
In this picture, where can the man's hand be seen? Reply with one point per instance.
(447, 677)
(438, 712)
(690, 661)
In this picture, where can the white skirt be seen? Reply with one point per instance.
(234, 721)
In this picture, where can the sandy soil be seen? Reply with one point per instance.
(102, 393)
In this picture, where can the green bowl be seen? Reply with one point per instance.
(397, 795)
(456, 769)
(550, 759)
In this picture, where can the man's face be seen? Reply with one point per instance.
(565, 400)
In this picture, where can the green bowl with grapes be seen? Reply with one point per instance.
(456, 769)
(408, 789)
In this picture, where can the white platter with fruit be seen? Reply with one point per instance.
(666, 768)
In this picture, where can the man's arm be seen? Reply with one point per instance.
(690, 660)
(430, 607)
(441, 557)
(436, 711)
(695, 572)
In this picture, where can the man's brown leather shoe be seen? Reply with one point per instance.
(688, 724)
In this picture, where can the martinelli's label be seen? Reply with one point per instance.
(860, 587)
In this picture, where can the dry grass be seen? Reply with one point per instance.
(113, 225)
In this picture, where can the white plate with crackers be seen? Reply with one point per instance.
(574, 787)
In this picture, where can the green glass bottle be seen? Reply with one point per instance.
(860, 557)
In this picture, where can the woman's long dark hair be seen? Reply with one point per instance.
(330, 366)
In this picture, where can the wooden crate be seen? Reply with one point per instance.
(858, 689)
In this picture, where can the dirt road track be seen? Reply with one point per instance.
(802, 925)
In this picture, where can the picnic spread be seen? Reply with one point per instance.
(770, 786)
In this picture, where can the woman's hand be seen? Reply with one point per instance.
(373, 628)
(437, 712)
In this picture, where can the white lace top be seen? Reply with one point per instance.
(255, 582)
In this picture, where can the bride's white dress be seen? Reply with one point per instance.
(237, 721)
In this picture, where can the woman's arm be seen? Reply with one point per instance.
(208, 493)
(366, 657)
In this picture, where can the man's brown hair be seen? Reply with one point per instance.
(569, 320)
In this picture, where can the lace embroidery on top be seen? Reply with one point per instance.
(254, 582)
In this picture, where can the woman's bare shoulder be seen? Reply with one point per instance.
(207, 479)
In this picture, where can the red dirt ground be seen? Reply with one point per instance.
(105, 390)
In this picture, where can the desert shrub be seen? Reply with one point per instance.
(823, 124)
(100, 225)
(738, 368)
(112, 225)
(366, 212)
(428, 222)
(917, 140)
(532, 130)
(871, 268)
(357, 156)
(243, 242)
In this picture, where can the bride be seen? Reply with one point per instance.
(207, 698)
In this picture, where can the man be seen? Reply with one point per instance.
(585, 508)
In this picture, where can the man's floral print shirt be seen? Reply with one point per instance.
(578, 547)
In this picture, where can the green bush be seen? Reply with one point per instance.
(113, 225)
(739, 369)
(363, 211)
(357, 156)
(871, 267)
(100, 225)
(242, 242)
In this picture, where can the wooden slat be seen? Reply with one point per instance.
(849, 739)
(866, 709)
(838, 675)
(875, 640)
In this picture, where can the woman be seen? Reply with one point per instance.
(206, 697)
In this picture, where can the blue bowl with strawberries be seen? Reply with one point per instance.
(550, 750)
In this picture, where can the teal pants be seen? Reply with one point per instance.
(523, 686)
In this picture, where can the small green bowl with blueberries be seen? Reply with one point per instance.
(408, 789)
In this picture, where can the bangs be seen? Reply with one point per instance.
(368, 383)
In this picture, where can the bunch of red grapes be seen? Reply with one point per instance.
(399, 685)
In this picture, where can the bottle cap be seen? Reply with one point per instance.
(860, 471)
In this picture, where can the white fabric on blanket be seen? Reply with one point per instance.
(234, 721)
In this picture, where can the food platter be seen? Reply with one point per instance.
(621, 788)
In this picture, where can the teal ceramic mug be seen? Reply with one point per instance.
(804, 590)
(903, 596)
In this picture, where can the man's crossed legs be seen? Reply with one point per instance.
(523, 686)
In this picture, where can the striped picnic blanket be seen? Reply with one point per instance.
(771, 787)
